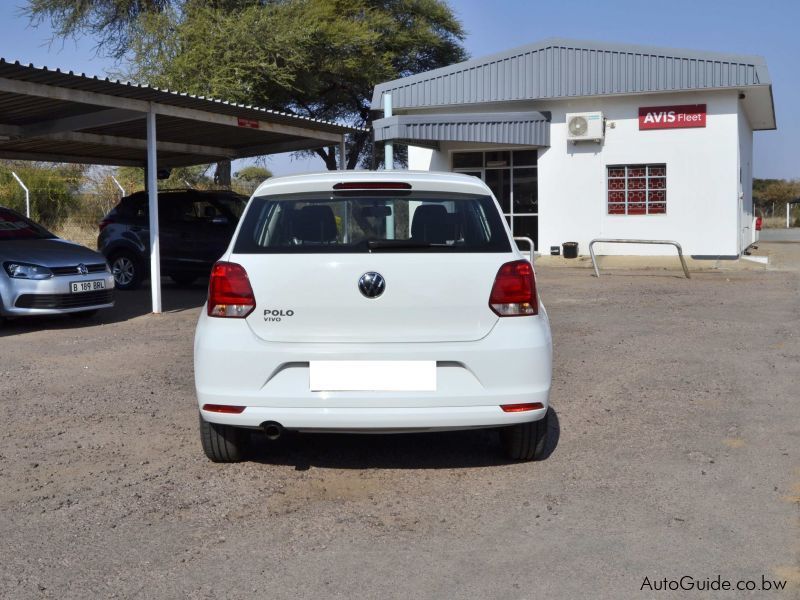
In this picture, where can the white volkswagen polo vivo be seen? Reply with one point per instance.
(372, 302)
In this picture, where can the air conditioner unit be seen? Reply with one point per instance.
(585, 127)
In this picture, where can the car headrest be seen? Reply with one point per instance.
(431, 224)
(314, 224)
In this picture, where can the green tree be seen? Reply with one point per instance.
(53, 189)
(113, 23)
(317, 58)
(132, 178)
(246, 180)
(187, 177)
(769, 194)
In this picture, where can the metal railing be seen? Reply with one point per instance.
(617, 241)
(529, 241)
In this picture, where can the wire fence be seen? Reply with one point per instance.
(71, 200)
(81, 224)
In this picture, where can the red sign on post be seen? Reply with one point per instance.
(250, 123)
(672, 117)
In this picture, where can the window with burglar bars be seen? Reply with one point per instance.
(637, 189)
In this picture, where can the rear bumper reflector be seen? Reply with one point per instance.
(224, 408)
(522, 407)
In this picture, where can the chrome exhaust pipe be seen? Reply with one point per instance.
(272, 430)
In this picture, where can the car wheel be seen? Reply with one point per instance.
(183, 278)
(223, 443)
(526, 441)
(127, 271)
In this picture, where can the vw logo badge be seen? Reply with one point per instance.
(371, 284)
(82, 269)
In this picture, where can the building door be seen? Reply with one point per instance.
(512, 177)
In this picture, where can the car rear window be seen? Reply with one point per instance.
(371, 222)
(14, 226)
(173, 204)
(233, 204)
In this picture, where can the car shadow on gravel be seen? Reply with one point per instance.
(127, 305)
(439, 450)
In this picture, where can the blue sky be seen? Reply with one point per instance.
(767, 28)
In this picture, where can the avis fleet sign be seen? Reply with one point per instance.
(672, 117)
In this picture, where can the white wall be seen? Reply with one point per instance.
(702, 175)
(425, 159)
(746, 185)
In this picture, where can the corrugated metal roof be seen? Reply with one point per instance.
(561, 68)
(523, 128)
(190, 129)
(125, 89)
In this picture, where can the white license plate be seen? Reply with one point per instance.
(372, 375)
(79, 287)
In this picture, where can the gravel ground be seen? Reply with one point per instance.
(677, 453)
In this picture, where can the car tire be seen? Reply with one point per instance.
(127, 270)
(183, 279)
(223, 443)
(526, 441)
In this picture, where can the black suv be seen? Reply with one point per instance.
(195, 227)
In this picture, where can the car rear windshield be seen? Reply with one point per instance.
(233, 204)
(173, 204)
(372, 222)
(14, 226)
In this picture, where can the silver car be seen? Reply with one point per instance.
(42, 274)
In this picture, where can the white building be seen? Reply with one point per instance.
(660, 147)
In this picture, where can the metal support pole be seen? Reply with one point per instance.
(152, 194)
(388, 146)
(343, 167)
(373, 158)
(787, 215)
(388, 162)
(121, 189)
(28, 196)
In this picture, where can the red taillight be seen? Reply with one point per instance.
(758, 223)
(224, 408)
(521, 407)
(372, 185)
(104, 223)
(514, 290)
(229, 292)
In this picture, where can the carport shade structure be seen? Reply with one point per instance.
(50, 115)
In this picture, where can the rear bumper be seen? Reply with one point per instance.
(511, 365)
(378, 420)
